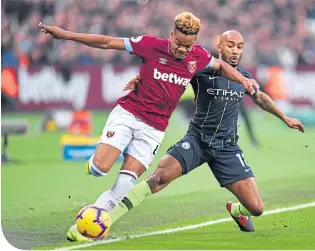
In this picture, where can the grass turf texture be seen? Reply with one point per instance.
(289, 230)
(41, 194)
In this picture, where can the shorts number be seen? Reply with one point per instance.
(242, 159)
(154, 151)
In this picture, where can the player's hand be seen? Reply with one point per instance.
(132, 84)
(294, 124)
(250, 85)
(54, 31)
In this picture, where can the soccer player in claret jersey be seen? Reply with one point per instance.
(212, 139)
(141, 117)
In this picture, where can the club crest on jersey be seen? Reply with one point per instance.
(192, 66)
(186, 145)
(110, 134)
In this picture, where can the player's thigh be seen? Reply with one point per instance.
(188, 153)
(168, 170)
(116, 135)
(247, 193)
(230, 165)
(144, 144)
(139, 154)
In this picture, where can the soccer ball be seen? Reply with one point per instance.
(93, 222)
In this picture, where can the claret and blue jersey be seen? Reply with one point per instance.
(163, 79)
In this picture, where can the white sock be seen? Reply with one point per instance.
(109, 199)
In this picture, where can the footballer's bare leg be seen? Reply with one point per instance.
(102, 161)
(131, 164)
(168, 170)
(250, 203)
(248, 195)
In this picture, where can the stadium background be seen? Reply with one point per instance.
(41, 75)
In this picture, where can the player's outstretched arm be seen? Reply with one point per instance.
(267, 104)
(92, 40)
(232, 74)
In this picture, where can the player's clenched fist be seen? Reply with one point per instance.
(54, 31)
(294, 124)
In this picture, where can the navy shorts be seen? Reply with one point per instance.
(227, 163)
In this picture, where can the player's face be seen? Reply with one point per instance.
(181, 44)
(232, 50)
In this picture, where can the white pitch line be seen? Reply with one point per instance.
(188, 227)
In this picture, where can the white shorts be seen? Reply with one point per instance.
(131, 135)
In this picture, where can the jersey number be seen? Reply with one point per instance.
(242, 159)
(154, 151)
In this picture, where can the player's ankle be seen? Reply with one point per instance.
(235, 209)
(244, 211)
(125, 182)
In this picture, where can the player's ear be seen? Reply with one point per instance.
(172, 34)
(219, 48)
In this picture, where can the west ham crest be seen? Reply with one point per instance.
(110, 134)
(192, 66)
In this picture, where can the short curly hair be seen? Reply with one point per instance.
(187, 23)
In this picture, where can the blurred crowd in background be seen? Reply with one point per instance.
(278, 32)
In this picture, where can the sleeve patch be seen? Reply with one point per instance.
(136, 39)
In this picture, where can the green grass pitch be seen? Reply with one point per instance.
(41, 194)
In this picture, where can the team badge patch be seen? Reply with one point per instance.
(185, 145)
(110, 134)
(192, 66)
(136, 39)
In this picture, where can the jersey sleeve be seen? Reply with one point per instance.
(206, 59)
(141, 46)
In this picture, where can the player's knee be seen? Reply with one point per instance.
(155, 182)
(257, 210)
(166, 172)
(101, 164)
